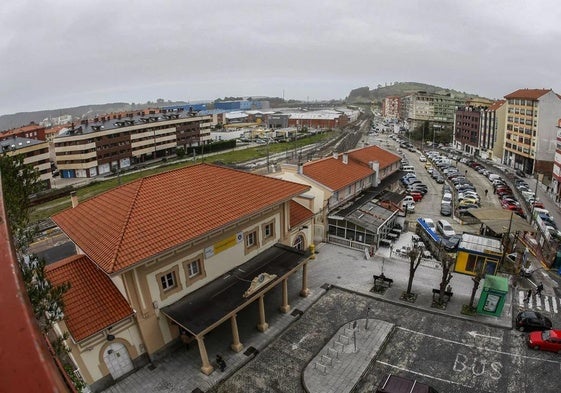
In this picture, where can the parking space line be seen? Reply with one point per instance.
(521, 298)
(476, 347)
(425, 375)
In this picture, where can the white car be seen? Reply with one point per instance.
(430, 223)
(422, 158)
(445, 228)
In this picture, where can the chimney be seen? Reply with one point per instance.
(73, 199)
(300, 169)
(345, 158)
(335, 155)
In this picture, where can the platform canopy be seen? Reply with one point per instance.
(501, 221)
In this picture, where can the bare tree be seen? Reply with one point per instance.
(414, 261)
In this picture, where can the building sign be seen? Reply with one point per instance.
(259, 282)
(223, 245)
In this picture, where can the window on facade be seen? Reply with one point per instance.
(251, 239)
(268, 230)
(194, 268)
(168, 281)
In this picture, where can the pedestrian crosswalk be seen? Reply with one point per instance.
(550, 304)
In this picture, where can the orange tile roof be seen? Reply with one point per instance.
(496, 105)
(335, 175)
(299, 214)
(374, 153)
(93, 302)
(141, 219)
(528, 94)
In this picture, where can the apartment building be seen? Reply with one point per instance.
(466, 129)
(174, 256)
(116, 141)
(34, 152)
(437, 109)
(530, 130)
(390, 107)
(556, 176)
(31, 131)
(491, 137)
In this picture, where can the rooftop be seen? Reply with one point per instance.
(149, 216)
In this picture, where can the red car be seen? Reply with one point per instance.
(538, 204)
(548, 340)
(417, 196)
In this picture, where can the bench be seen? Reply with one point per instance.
(436, 293)
(382, 281)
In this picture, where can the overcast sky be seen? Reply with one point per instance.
(60, 53)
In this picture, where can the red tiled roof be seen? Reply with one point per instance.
(143, 218)
(374, 153)
(528, 94)
(496, 105)
(335, 175)
(93, 302)
(299, 214)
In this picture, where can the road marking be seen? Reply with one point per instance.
(554, 304)
(476, 347)
(474, 334)
(546, 304)
(296, 345)
(538, 302)
(425, 375)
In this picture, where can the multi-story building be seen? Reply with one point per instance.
(491, 141)
(466, 129)
(556, 176)
(436, 109)
(530, 130)
(113, 142)
(31, 131)
(173, 256)
(390, 107)
(34, 152)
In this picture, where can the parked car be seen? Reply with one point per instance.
(417, 196)
(529, 321)
(548, 340)
(445, 228)
(439, 179)
(422, 159)
(446, 209)
(451, 243)
(430, 223)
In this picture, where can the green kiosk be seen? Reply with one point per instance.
(493, 296)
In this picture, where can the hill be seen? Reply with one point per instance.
(400, 89)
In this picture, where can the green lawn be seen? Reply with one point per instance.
(46, 210)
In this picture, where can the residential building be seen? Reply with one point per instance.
(176, 255)
(466, 129)
(31, 131)
(530, 132)
(118, 141)
(491, 136)
(390, 107)
(556, 175)
(34, 152)
(436, 109)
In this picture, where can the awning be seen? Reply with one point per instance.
(500, 220)
(208, 305)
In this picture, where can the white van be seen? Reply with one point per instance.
(408, 168)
